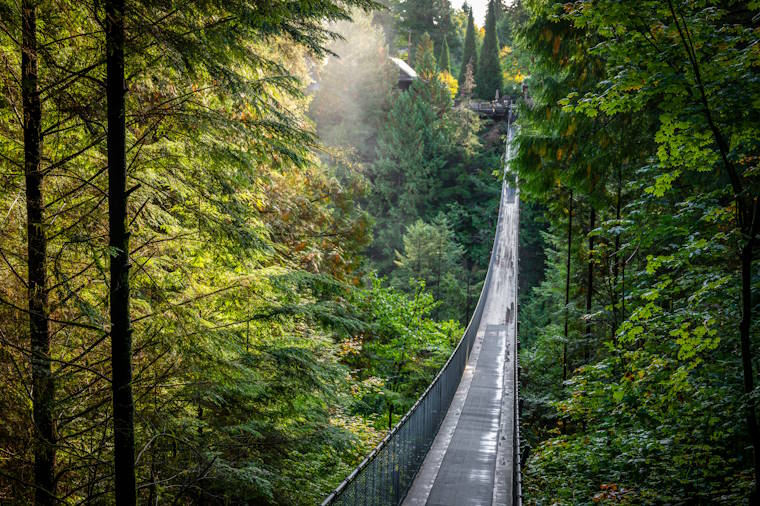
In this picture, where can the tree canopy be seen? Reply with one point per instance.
(643, 339)
(234, 252)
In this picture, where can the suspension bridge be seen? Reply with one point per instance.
(459, 444)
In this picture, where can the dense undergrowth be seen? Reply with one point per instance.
(639, 143)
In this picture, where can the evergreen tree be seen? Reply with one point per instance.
(425, 16)
(469, 83)
(418, 17)
(411, 151)
(125, 490)
(431, 254)
(444, 61)
(488, 78)
(424, 62)
(215, 149)
(444, 23)
(469, 54)
(43, 381)
(508, 21)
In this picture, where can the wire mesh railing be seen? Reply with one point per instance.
(516, 456)
(386, 475)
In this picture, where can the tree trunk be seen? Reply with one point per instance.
(43, 386)
(744, 332)
(589, 286)
(616, 265)
(567, 284)
(121, 332)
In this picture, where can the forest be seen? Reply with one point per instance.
(235, 250)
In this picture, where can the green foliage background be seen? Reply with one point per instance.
(269, 195)
(652, 408)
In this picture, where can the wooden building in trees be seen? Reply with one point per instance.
(406, 74)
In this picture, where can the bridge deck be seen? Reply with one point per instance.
(470, 460)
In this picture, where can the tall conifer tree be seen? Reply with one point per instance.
(488, 78)
(425, 61)
(425, 16)
(470, 53)
(121, 331)
(43, 392)
(444, 61)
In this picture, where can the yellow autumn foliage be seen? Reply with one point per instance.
(450, 81)
(512, 73)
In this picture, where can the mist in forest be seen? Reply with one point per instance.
(352, 88)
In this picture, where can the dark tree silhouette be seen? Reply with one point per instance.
(488, 78)
(43, 388)
(121, 332)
